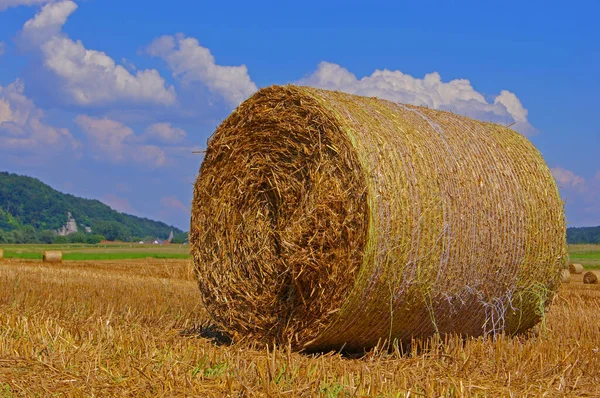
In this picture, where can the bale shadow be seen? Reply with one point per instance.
(208, 331)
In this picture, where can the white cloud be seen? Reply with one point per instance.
(164, 132)
(21, 126)
(107, 136)
(117, 203)
(172, 203)
(191, 62)
(118, 143)
(582, 197)
(149, 154)
(48, 22)
(457, 95)
(568, 180)
(88, 77)
(4, 4)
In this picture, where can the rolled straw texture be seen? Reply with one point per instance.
(565, 276)
(52, 256)
(332, 221)
(591, 277)
(575, 268)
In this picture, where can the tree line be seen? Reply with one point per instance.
(31, 212)
(583, 235)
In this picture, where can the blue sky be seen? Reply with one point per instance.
(108, 99)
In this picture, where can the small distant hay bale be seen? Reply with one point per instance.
(590, 278)
(52, 256)
(332, 221)
(565, 276)
(1, 254)
(576, 269)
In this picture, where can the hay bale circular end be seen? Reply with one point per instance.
(52, 256)
(590, 278)
(565, 276)
(576, 269)
(327, 220)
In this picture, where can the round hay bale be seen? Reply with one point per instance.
(1, 254)
(565, 276)
(52, 256)
(590, 278)
(576, 268)
(329, 221)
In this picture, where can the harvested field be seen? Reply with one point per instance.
(114, 328)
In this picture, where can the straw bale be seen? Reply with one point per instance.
(565, 276)
(52, 256)
(1, 254)
(329, 221)
(576, 268)
(590, 278)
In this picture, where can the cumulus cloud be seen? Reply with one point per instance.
(88, 77)
(567, 179)
(456, 95)
(47, 23)
(117, 203)
(164, 132)
(582, 197)
(4, 4)
(172, 203)
(149, 154)
(21, 126)
(190, 62)
(118, 143)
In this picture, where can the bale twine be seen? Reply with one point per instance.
(590, 278)
(565, 276)
(329, 221)
(52, 256)
(576, 268)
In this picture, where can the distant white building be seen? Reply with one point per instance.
(69, 228)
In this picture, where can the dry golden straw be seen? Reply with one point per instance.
(576, 268)
(590, 278)
(565, 276)
(1, 254)
(332, 221)
(52, 256)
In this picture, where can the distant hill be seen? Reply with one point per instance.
(27, 204)
(583, 235)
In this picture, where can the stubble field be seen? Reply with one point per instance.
(135, 328)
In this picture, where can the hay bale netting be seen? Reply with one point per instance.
(52, 256)
(334, 221)
(576, 268)
(565, 276)
(590, 277)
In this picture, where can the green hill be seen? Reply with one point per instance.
(30, 211)
(583, 235)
